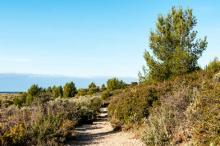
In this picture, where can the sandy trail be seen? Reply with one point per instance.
(100, 133)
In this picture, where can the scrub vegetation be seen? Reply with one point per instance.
(176, 101)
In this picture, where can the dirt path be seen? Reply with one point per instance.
(100, 133)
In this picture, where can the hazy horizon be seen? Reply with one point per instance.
(21, 82)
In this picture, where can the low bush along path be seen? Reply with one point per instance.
(101, 133)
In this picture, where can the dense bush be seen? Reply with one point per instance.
(92, 88)
(49, 123)
(20, 100)
(82, 92)
(188, 113)
(168, 118)
(114, 83)
(34, 90)
(213, 67)
(103, 87)
(9, 99)
(106, 94)
(181, 110)
(204, 114)
(132, 105)
(69, 90)
(57, 91)
(217, 77)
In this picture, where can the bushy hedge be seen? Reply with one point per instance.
(204, 114)
(132, 105)
(51, 123)
(187, 114)
(182, 110)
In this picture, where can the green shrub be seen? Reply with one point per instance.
(114, 83)
(20, 100)
(16, 135)
(103, 88)
(82, 92)
(34, 90)
(105, 95)
(204, 115)
(51, 122)
(214, 66)
(69, 90)
(217, 77)
(93, 88)
(88, 108)
(57, 91)
(187, 113)
(163, 107)
(165, 119)
(29, 99)
(66, 130)
(157, 132)
(132, 105)
(6, 103)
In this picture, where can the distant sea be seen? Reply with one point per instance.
(13, 83)
(8, 92)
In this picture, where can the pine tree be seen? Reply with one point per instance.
(69, 90)
(174, 45)
(92, 88)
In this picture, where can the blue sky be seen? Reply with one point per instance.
(86, 38)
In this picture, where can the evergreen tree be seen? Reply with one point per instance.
(93, 88)
(69, 90)
(174, 45)
(115, 83)
(103, 88)
(57, 91)
(34, 90)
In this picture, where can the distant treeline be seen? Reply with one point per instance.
(9, 92)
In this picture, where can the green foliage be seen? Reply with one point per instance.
(57, 91)
(105, 95)
(82, 92)
(213, 67)
(157, 132)
(49, 90)
(204, 114)
(131, 106)
(103, 87)
(174, 45)
(15, 136)
(187, 113)
(114, 83)
(6, 100)
(92, 88)
(50, 123)
(69, 90)
(166, 120)
(20, 100)
(88, 109)
(181, 110)
(217, 77)
(34, 90)
(29, 99)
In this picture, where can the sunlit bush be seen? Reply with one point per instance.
(46, 123)
(204, 115)
(132, 105)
